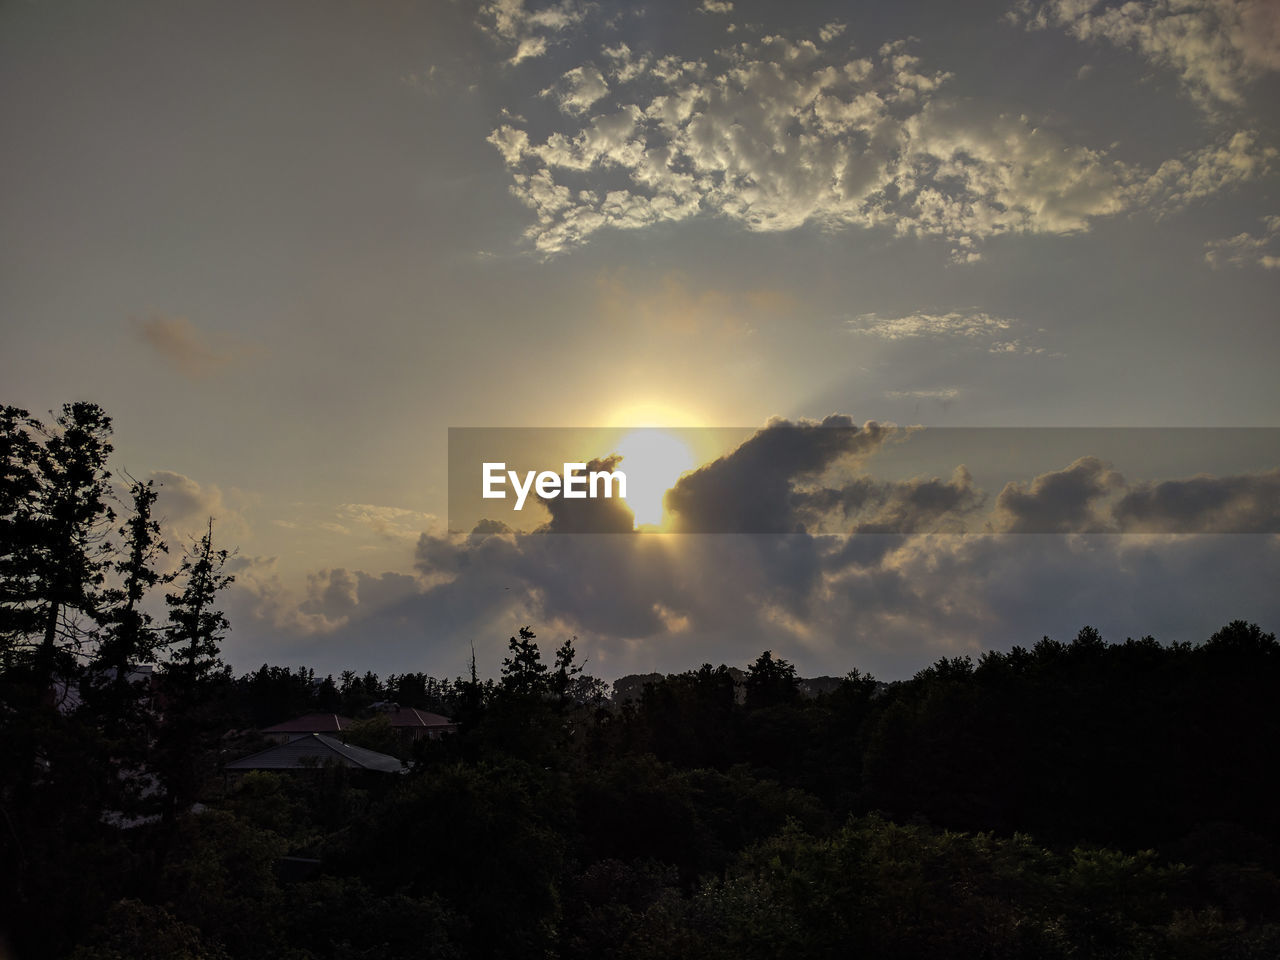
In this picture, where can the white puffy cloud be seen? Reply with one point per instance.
(1245, 249)
(526, 32)
(185, 506)
(1217, 47)
(778, 133)
(1234, 160)
(578, 89)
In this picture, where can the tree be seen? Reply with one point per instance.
(770, 682)
(524, 673)
(19, 488)
(562, 678)
(130, 636)
(56, 514)
(196, 628)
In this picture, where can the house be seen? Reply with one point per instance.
(415, 724)
(326, 723)
(311, 751)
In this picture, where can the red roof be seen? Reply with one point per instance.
(409, 717)
(313, 723)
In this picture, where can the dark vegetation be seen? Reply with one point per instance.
(1077, 799)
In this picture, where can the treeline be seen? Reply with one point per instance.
(1071, 799)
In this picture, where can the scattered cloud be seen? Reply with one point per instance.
(185, 506)
(524, 32)
(995, 334)
(392, 523)
(192, 352)
(831, 31)
(776, 133)
(941, 394)
(1245, 249)
(1216, 47)
(716, 6)
(578, 89)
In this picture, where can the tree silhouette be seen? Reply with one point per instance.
(196, 628)
(129, 636)
(770, 682)
(56, 516)
(524, 673)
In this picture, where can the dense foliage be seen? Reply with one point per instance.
(1078, 799)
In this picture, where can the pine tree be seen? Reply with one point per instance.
(196, 631)
(524, 673)
(196, 627)
(55, 519)
(130, 636)
(19, 489)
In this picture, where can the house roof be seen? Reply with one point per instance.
(409, 717)
(316, 750)
(313, 723)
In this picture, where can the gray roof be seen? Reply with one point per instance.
(315, 750)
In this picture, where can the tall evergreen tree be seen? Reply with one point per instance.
(524, 673)
(196, 627)
(19, 488)
(130, 636)
(56, 517)
(196, 630)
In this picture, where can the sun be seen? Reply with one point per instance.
(653, 460)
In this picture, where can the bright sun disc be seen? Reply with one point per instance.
(653, 460)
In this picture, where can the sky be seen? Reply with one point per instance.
(289, 246)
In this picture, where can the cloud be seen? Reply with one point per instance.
(578, 89)
(526, 33)
(1217, 47)
(774, 134)
(194, 354)
(756, 487)
(715, 6)
(1201, 173)
(1238, 504)
(875, 594)
(392, 523)
(1062, 501)
(1244, 249)
(940, 394)
(591, 515)
(830, 31)
(331, 599)
(995, 334)
(918, 505)
(184, 507)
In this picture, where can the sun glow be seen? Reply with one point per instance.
(653, 460)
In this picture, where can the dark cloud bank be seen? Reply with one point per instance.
(802, 551)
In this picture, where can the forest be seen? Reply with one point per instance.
(1065, 799)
